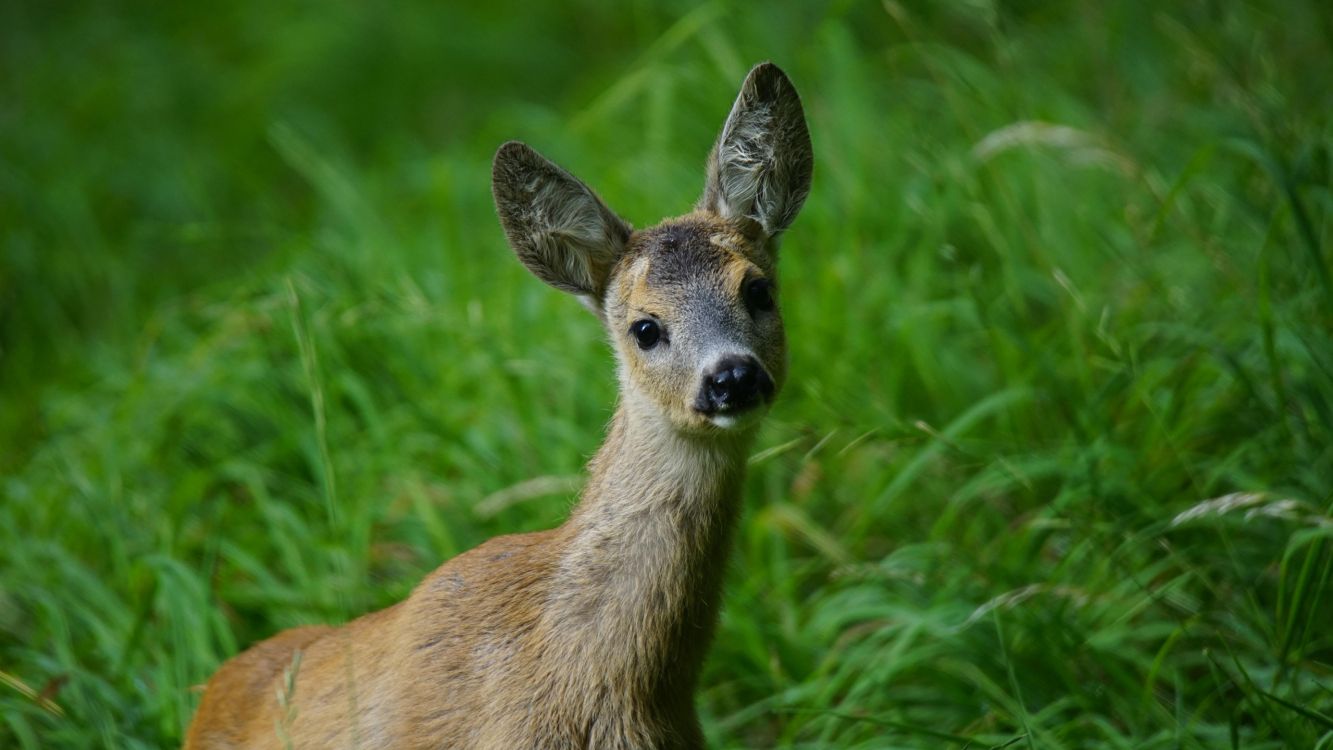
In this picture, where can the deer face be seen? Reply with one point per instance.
(692, 311)
(690, 304)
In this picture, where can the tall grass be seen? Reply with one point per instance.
(1054, 468)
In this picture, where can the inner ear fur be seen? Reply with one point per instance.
(556, 225)
(759, 170)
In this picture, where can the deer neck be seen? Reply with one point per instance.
(641, 575)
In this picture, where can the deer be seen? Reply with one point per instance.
(591, 634)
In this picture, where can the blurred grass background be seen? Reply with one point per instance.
(1054, 468)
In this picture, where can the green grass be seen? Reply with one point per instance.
(1062, 281)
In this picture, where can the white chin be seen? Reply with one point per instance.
(735, 421)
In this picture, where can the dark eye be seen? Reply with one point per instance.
(646, 332)
(758, 295)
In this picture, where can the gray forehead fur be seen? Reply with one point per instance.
(679, 253)
(682, 252)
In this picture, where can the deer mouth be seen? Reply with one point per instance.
(735, 413)
(731, 408)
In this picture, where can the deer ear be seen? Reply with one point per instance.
(759, 170)
(556, 225)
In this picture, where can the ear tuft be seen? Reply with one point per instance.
(556, 225)
(760, 168)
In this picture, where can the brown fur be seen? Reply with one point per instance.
(590, 635)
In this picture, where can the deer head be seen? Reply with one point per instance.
(691, 304)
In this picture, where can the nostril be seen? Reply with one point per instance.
(719, 386)
(744, 376)
(765, 384)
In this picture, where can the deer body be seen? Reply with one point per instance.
(590, 635)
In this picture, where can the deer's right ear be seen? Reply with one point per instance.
(557, 226)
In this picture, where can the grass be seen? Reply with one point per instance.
(1054, 468)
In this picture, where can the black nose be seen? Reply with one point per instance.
(734, 384)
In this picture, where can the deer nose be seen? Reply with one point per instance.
(734, 384)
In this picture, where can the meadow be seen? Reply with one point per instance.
(1053, 468)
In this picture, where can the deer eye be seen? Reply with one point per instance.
(646, 332)
(758, 294)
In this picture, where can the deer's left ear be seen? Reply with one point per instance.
(556, 225)
(759, 170)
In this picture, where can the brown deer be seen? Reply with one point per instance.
(590, 635)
